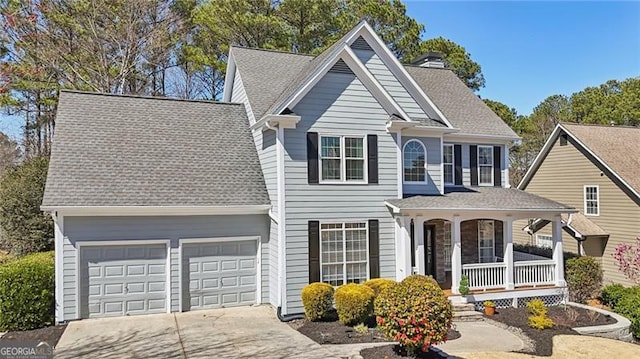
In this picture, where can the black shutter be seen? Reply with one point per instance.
(457, 161)
(497, 160)
(312, 157)
(372, 153)
(314, 251)
(374, 248)
(473, 157)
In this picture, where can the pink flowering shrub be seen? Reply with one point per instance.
(415, 312)
(627, 257)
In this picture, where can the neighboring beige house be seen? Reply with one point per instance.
(595, 169)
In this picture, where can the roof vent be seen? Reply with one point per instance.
(341, 67)
(430, 59)
(361, 44)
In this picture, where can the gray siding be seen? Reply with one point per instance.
(338, 104)
(466, 162)
(158, 227)
(273, 264)
(239, 95)
(389, 82)
(434, 173)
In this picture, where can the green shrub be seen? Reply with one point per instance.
(612, 294)
(463, 288)
(489, 304)
(416, 313)
(537, 307)
(629, 306)
(540, 322)
(317, 299)
(418, 279)
(5, 257)
(379, 284)
(354, 303)
(584, 278)
(542, 251)
(27, 292)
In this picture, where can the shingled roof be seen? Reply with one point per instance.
(112, 150)
(270, 76)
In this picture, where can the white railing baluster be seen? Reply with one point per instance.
(534, 273)
(483, 276)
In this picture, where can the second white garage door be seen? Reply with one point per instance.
(217, 275)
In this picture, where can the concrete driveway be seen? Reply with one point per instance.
(247, 332)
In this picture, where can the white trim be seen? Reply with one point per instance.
(345, 53)
(282, 216)
(481, 139)
(417, 128)
(188, 241)
(156, 210)
(426, 173)
(399, 173)
(507, 165)
(453, 163)
(584, 198)
(344, 230)
(58, 223)
(124, 242)
(393, 64)
(493, 161)
(493, 240)
(229, 77)
(270, 122)
(343, 160)
(548, 239)
(442, 166)
(545, 151)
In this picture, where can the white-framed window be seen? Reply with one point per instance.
(486, 241)
(414, 156)
(544, 240)
(447, 162)
(448, 246)
(485, 165)
(342, 159)
(344, 253)
(592, 200)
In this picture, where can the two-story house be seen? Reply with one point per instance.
(338, 168)
(596, 169)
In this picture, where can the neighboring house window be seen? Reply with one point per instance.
(414, 156)
(447, 161)
(592, 200)
(448, 245)
(485, 165)
(342, 158)
(544, 240)
(486, 241)
(344, 253)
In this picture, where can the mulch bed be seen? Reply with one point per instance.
(51, 335)
(543, 339)
(394, 351)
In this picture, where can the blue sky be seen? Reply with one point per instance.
(531, 50)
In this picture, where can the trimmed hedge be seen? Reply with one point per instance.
(584, 278)
(379, 284)
(624, 301)
(317, 299)
(354, 303)
(27, 292)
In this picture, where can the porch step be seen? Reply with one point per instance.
(467, 316)
(463, 307)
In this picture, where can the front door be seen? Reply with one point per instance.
(430, 250)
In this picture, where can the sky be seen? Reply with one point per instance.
(531, 50)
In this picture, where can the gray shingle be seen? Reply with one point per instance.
(485, 198)
(113, 150)
(458, 103)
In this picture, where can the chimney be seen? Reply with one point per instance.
(430, 59)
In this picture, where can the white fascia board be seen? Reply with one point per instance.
(271, 122)
(477, 138)
(229, 77)
(156, 210)
(345, 53)
(417, 128)
(380, 48)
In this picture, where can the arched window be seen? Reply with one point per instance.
(414, 157)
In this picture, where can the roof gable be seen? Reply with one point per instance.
(113, 150)
(614, 149)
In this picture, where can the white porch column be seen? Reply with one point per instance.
(403, 247)
(507, 234)
(418, 225)
(406, 232)
(556, 233)
(456, 255)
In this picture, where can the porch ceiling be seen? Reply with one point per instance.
(466, 199)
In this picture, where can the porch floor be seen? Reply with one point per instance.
(448, 292)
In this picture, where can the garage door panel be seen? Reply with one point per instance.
(123, 280)
(219, 274)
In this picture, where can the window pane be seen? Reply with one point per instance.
(333, 274)
(330, 169)
(448, 173)
(331, 245)
(447, 156)
(355, 169)
(356, 272)
(486, 255)
(414, 162)
(485, 155)
(356, 245)
(353, 147)
(485, 175)
(330, 147)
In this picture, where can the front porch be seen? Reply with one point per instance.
(460, 238)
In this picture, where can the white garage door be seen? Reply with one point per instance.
(123, 280)
(217, 275)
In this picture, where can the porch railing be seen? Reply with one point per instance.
(534, 273)
(485, 275)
